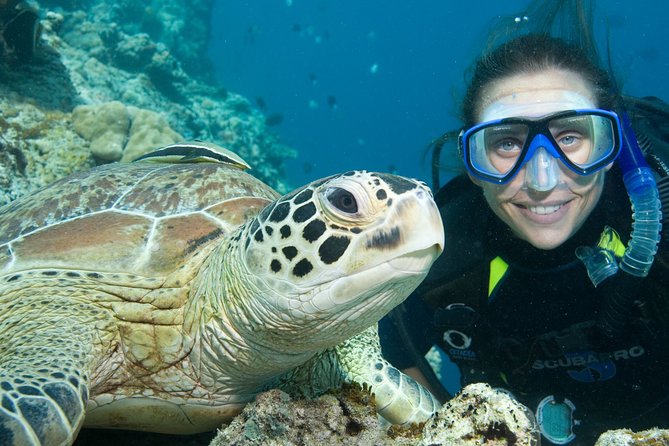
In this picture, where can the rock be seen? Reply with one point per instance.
(38, 146)
(106, 126)
(625, 437)
(477, 415)
(117, 132)
(148, 131)
(344, 418)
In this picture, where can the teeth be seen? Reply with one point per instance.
(543, 210)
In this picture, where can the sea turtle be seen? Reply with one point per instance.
(164, 296)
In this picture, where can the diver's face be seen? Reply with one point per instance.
(545, 219)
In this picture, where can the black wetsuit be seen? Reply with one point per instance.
(538, 333)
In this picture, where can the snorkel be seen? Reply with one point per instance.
(646, 215)
(646, 206)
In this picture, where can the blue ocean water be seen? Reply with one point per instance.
(369, 84)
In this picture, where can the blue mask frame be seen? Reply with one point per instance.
(539, 135)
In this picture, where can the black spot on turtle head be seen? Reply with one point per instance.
(356, 230)
(398, 185)
(303, 196)
(269, 230)
(313, 230)
(340, 228)
(333, 248)
(302, 268)
(285, 231)
(280, 212)
(275, 266)
(49, 273)
(289, 251)
(262, 217)
(14, 277)
(385, 239)
(304, 212)
(258, 236)
(381, 194)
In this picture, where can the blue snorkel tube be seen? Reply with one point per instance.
(646, 206)
(642, 189)
(620, 295)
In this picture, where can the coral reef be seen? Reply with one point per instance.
(91, 76)
(624, 437)
(37, 146)
(166, 22)
(120, 133)
(477, 415)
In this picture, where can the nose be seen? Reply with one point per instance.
(542, 172)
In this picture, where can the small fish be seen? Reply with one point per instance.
(312, 104)
(648, 54)
(260, 102)
(374, 68)
(251, 34)
(332, 102)
(274, 119)
(313, 79)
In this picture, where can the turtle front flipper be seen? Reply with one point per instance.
(47, 350)
(399, 398)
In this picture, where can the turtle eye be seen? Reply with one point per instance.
(342, 200)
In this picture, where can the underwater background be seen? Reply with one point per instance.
(369, 84)
(299, 88)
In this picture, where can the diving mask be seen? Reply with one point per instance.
(585, 140)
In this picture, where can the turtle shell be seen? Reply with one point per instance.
(140, 218)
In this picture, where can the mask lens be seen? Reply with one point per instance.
(495, 149)
(585, 139)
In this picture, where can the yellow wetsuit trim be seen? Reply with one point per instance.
(498, 268)
(610, 240)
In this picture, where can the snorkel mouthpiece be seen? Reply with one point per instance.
(542, 172)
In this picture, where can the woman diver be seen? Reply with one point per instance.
(545, 287)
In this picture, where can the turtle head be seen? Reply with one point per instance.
(333, 257)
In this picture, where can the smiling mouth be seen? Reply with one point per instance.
(542, 210)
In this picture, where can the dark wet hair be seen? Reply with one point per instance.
(532, 53)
